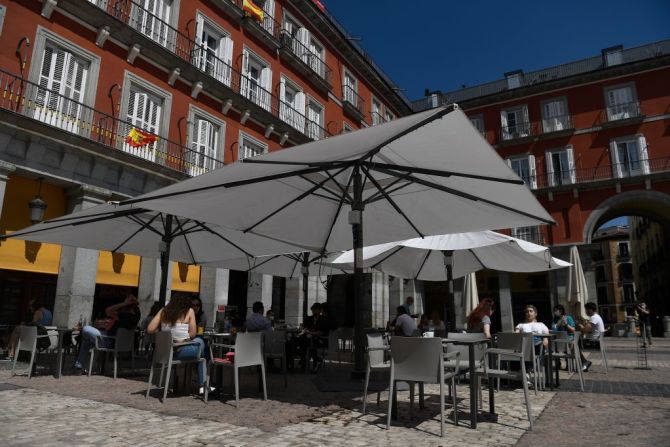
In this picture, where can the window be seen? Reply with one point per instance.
(268, 6)
(315, 128)
(346, 128)
(256, 82)
(152, 18)
(3, 10)
(305, 45)
(292, 104)
(514, 123)
(555, 115)
(623, 249)
(206, 142)
(147, 108)
(376, 112)
(250, 147)
(530, 234)
(560, 167)
(629, 293)
(613, 55)
(621, 102)
(478, 123)
(214, 52)
(629, 156)
(525, 169)
(388, 116)
(514, 79)
(350, 89)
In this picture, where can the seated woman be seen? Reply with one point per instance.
(178, 318)
(562, 322)
(480, 318)
(40, 316)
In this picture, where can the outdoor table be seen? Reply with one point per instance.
(549, 365)
(59, 347)
(473, 382)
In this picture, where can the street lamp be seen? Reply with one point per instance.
(37, 205)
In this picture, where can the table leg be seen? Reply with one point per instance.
(59, 349)
(394, 402)
(421, 402)
(473, 387)
(550, 366)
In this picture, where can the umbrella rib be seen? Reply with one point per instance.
(391, 201)
(184, 234)
(422, 264)
(337, 213)
(397, 249)
(296, 199)
(111, 214)
(225, 239)
(477, 258)
(343, 190)
(262, 263)
(142, 227)
(335, 196)
(139, 221)
(466, 195)
(438, 173)
(377, 196)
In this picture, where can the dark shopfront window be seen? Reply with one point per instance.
(16, 290)
(105, 296)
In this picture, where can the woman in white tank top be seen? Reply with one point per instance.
(178, 318)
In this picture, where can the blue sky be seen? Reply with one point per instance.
(442, 45)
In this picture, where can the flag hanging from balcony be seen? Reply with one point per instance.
(253, 10)
(139, 138)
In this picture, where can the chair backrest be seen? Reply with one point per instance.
(417, 359)
(28, 337)
(347, 337)
(163, 348)
(248, 349)
(511, 341)
(334, 341)
(376, 357)
(480, 350)
(125, 340)
(274, 343)
(561, 347)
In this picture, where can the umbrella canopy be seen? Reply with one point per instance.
(287, 265)
(470, 294)
(429, 173)
(578, 294)
(424, 258)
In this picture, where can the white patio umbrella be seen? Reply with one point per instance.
(578, 294)
(429, 173)
(470, 294)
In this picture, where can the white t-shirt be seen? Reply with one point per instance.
(405, 324)
(598, 327)
(532, 328)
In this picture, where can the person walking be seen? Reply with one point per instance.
(644, 317)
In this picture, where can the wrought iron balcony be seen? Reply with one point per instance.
(307, 62)
(377, 118)
(554, 124)
(352, 103)
(625, 111)
(267, 31)
(65, 114)
(300, 122)
(516, 131)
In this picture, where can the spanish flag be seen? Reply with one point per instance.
(139, 138)
(254, 11)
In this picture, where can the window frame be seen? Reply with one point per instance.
(544, 118)
(635, 99)
(194, 112)
(245, 136)
(311, 99)
(478, 117)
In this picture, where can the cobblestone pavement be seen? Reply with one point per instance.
(626, 407)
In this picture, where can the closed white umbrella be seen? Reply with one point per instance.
(470, 294)
(578, 294)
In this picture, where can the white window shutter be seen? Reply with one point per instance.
(266, 83)
(509, 162)
(244, 79)
(532, 172)
(550, 168)
(503, 125)
(616, 164)
(644, 153)
(571, 164)
(300, 107)
(199, 28)
(525, 127)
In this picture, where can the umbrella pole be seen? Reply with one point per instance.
(449, 265)
(305, 279)
(356, 221)
(165, 259)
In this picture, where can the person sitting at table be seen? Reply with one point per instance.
(39, 315)
(256, 321)
(532, 326)
(125, 314)
(404, 324)
(200, 316)
(562, 322)
(424, 323)
(179, 319)
(592, 329)
(479, 320)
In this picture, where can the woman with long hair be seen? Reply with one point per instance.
(480, 318)
(178, 318)
(200, 317)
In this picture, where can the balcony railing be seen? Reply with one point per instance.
(377, 118)
(351, 98)
(515, 131)
(313, 60)
(180, 45)
(556, 124)
(604, 172)
(623, 111)
(61, 112)
(300, 122)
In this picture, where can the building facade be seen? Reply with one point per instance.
(590, 138)
(107, 99)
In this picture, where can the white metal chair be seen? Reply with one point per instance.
(418, 360)
(274, 347)
(512, 347)
(27, 342)
(248, 352)
(124, 341)
(568, 348)
(376, 349)
(163, 356)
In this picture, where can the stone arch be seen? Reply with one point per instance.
(653, 205)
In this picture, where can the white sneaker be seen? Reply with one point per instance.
(201, 391)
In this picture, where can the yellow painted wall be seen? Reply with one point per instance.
(185, 277)
(118, 269)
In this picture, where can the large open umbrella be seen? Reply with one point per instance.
(429, 173)
(577, 292)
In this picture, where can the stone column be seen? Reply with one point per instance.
(259, 289)
(506, 315)
(5, 170)
(78, 266)
(213, 290)
(150, 282)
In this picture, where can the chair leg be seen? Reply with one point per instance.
(454, 401)
(32, 361)
(160, 379)
(604, 356)
(204, 362)
(237, 388)
(365, 388)
(151, 376)
(411, 398)
(442, 431)
(167, 381)
(16, 355)
(388, 415)
(91, 353)
(525, 393)
(265, 390)
(115, 361)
